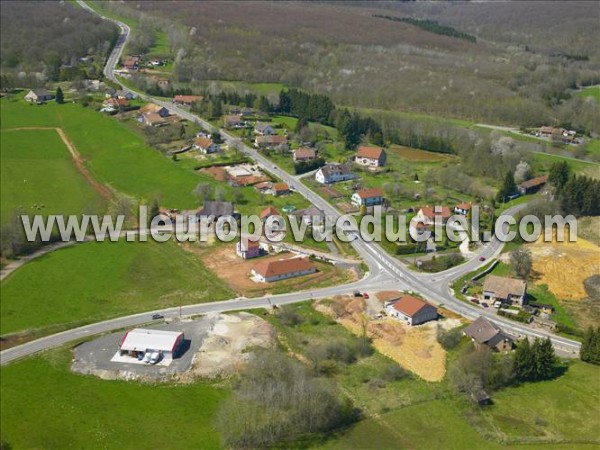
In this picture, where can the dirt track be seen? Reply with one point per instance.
(77, 159)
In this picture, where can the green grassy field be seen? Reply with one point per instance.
(45, 405)
(114, 154)
(37, 169)
(543, 161)
(94, 281)
(592, 91)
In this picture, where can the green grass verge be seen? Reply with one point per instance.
(93, 281)
(45, 405)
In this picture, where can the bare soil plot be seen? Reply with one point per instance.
(563, 266)
(217, 172)
(413, 154)
(414, 348)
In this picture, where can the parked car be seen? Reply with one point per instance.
(357, 294)
(155, 357)
(157, 316)
(497, 304)
(147, 357)
(365, 295)
(482, 258)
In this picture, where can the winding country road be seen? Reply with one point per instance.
(385, 271)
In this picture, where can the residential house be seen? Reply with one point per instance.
(427, 214)
(116, 103)
(463, 208)
(122, 93)
(205, 145)
(263, 187)
(310, 215)
(533, 185)
(370, 156)
(216, 209)
(304, 154)
(280, 189)
(248, 249)
(411, 310)
(156, 109)
(484, 332)
(264, 129)
(333, 173)
(504, 289)
(269, 141)
(232, 121)
(186, 100)
(153, 120)
(368, 197)
(268, 212)
(132, 63)
(38, 96)
(269, 271)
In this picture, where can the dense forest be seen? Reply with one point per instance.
(37, 38)
(416, 64)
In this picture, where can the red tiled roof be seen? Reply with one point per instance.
(409, 305)
(534, 182)
(281, 187)
(464, 205)
(203, 142)
(263, 185)
(429, 211)
(304, 152)
(187, 98)
(274, 268)
(369, 152)
(268, 212)
(370, 192)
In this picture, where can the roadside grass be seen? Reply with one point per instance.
(94, 281)
(45, 405)
(37, 169)
(543, 161)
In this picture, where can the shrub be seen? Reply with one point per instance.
(394, 372)
(449, 339)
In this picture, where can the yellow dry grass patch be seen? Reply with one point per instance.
(414, 348)
(563, 266)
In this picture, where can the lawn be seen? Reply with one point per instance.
(94, 281)
(45, 405)
(543, 161)
(114, 154)
(592, 91)
(37, 169)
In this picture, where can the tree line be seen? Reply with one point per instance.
(590, 346)
(578, 195)
(433, 26)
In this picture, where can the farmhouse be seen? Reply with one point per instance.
(232, 121)
(368, 197)
(269, 141)
(268, 271)
(216, 209)
(427, 214)
(412, 310)
(304, 154)
(205, 145)
(263, 129)
(504, 289)
(332, 173)
(280, 189)
(156, 109)
(248, 249)
(140, 342)
(533, 185)
(186, 100)
(153, 119)
(484, 332)
(38, 96)
(463, 208)
(370, 156)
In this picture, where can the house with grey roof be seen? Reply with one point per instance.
(484, 332)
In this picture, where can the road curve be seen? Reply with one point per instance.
(385, 271)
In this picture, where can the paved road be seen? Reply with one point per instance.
(385, 272)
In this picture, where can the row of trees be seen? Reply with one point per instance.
(590, 346)
(578, 195)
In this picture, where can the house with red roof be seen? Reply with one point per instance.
(269, 271)
(427, 214)
(368, 197)
(411, 310)
(268, 212)
(463, 208)
(205, 145)
(370, 156)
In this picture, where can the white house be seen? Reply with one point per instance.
(38, 96)
(463, 208)
(268, 271)
(370, 156)
(141, 341)
(205, 145)
(411, 310)
(368, 197)
(427, 214)
(332, 173)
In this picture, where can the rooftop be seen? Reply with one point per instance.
(283, 266)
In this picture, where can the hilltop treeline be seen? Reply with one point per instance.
(40, 37)
(433, 26)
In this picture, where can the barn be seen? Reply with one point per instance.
(141, 341)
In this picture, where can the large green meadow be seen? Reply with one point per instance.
(39, 176)
(93, 281)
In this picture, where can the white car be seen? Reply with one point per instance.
(497, 304)
(147, 357)
(155, 357)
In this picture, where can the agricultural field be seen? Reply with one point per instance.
(39, 176)
(88, 412)
(93, 281)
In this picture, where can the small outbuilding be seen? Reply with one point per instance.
(141, 341)
(412, 310)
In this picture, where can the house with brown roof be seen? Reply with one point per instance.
(156, 109)
(504, 289)
(247, 249)
(186, 100)
(269, 271)
(533, 185)
(484, 332)
(268, 212)
(116, 103)
(153, 120)
(280, 189)
(304, 154)
(427, 214)
(205, 145)
(263, 187)
(269, 141)
(232, 121)
(411, 310)
(463, 208)
(370, 156)
(368, 197)
(132, 63)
